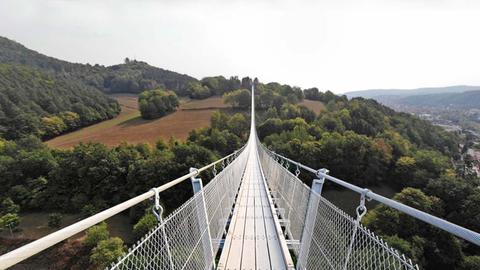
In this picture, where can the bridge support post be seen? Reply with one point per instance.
(310, 219)
(203, 221)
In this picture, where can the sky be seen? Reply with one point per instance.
(338, 45)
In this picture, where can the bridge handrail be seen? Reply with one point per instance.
(450, 227)
(24, 252)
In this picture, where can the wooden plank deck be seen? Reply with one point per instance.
(253, 240)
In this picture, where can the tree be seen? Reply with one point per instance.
(198, 91)
(8, 206)
(55, 220)
(238, 124)
(107, 251)
(96, 233)
(240, 98)
(404, 171)
(157, 103)
(71, 119)
(9, 221)
(144, 225)
(53, 126)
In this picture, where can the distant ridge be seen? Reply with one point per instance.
(372, 93)
(465, 100)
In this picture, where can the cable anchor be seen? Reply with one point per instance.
(157, 209)
(297, 171)
(214, 170)
(362, 209)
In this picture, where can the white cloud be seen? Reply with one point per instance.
(338, 44)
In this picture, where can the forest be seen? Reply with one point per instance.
(41, 104)
(357, 139)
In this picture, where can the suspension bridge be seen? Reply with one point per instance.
(254, 214)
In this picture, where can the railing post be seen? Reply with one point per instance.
(310, 218)
(202, 216)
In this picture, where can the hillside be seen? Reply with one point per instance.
(39, 103)
(470, 99)
(45, 96)
(374, 93)
(131, 76)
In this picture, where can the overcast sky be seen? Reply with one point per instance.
(339, 45)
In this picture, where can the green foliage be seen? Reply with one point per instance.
(107, 251)
(9, 221)
(53, 126)
(44, 104)
(387, 221)
(238, 124)
(225, 135)
(96, 234)
(144, 225)
(219, 85)
(157, 103)
(55, 220)
(440, 249)
(315, 94)
(8, 206)
(132, 76)
(91, 177)
(240, 98)
(471, 263)
(198, 91)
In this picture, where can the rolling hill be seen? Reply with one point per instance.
(374, 93)
(131, 76)
(45, 96)
(465, 100)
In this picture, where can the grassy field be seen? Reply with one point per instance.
(128, 126)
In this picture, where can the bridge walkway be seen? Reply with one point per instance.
(254, 239)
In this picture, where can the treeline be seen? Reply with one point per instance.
(33, 102)
(131, 77)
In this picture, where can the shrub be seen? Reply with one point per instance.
(96, 234)
(107, 251)
(145, 224)
(55, 220)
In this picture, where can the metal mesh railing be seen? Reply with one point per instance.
(189, 238)
(329, 238)
(337, 241)
(290, 194)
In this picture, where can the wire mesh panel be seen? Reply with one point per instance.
(290, 194)
(189, 238)
(338, 241)
(329, 238)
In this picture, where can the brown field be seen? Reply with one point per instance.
(314, 105)
(129, 127)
